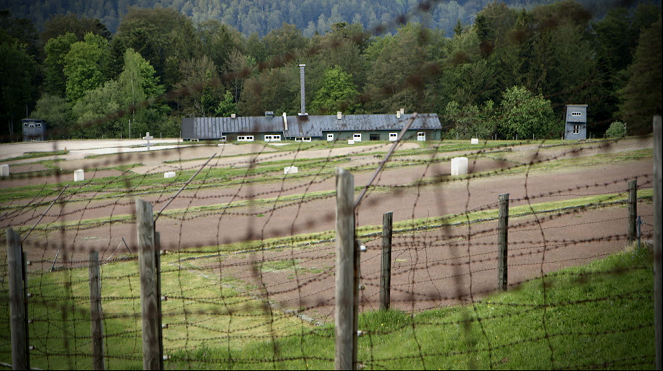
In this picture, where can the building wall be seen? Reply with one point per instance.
(582, 131)
(34, 130)
(382, 135)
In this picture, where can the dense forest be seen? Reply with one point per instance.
(502, 70)
(262, 16)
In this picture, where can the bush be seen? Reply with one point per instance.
(616, 130)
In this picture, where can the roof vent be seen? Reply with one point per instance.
(269, 113)
(339, 115)
(232, 116)
(398, 114)
(402, 111)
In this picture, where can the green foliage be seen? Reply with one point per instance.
(96, 105)
(158, 35)
(84, 66)
(336, 93)
(525, 114)
(616, 130)
(57, 113)
(471, 121)
(199, 87)
(641, 97)
(60, 24)
(56, 49)
(227, 106)
(16, 86)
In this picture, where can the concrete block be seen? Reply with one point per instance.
(474, 141)
(459, 166)
(290, 170)
(79, 175)
(4, 170)
(169, 174)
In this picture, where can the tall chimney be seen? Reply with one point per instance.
(303, 90)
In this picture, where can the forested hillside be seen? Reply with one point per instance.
(262, 16)
(508, 73)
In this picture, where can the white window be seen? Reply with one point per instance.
(356, 137)
(330, 137)
(268, 138)
(306, 139)
(576, 113)
(38, 125)
(272, 138)
(576, 129)
(393, 137)
(245, 138)
(297, 139)
(421, 136)
(223, 138)
(32, 125)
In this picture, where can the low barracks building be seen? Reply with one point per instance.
(341, 127)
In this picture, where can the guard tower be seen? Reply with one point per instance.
(33, 130)
(576, 122)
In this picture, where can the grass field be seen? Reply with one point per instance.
(597, 315)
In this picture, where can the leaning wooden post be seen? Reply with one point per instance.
(96, 314)
(149, 301)
(502, 242)
(385, 272)
(632, 210)
(658, 266)
(17, 301)
(345, 267)
(157, 260)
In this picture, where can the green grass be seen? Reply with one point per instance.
(27, 155)
(598, 314)
(200, 305)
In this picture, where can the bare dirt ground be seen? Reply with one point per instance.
(430, 269)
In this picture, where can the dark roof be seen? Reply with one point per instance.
(215, 127)
(314, 126)
(302, 126)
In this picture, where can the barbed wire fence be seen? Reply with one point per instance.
(242, 265)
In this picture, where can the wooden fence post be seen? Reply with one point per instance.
(502, 242)
(149, 301)
(157, 260)
(17, 298)
(345, 271)
(658, 266)
(632, 209)
(96, 313)
(385, 272)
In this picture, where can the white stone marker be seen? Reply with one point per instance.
(4, 170)
(148, 137)
(458, 166)
(290, 170)
(474, 141)
(79, 175)
(169, 174)
(351, 141)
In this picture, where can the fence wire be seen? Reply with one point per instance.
(248, 262)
